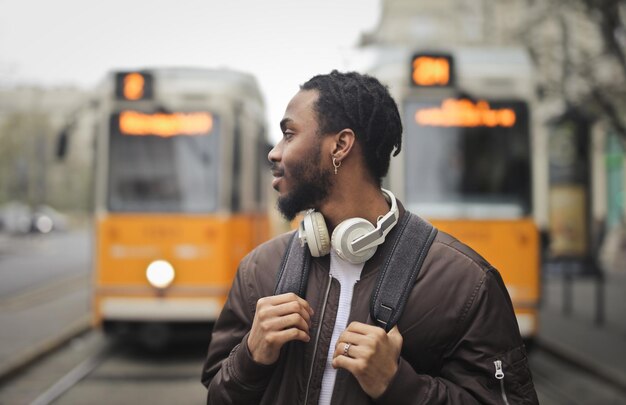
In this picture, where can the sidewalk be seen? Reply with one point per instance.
(44, 296)
(30, 331)
(601, 349)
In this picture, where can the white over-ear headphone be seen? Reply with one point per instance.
(354, 239)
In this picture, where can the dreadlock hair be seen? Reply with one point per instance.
(359, 102)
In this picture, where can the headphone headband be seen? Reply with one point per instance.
(383, 226)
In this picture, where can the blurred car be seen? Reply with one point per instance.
(46, 219)
(16, 217)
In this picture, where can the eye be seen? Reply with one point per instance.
(287, 135)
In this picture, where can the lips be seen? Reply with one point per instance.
(275, 183)
(278, 175)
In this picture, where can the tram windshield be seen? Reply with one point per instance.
(163, 162)
(467, 158)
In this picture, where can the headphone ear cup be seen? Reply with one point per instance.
(348, 231)
(316, 234)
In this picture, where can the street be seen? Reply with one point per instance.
(31, 261)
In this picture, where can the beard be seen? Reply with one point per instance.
(311, 185)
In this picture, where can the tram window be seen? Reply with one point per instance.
(235, 197)
(260, 159)
(465, 165)
(151, 173)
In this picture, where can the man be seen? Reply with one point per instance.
(457, 340)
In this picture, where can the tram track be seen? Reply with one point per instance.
(41, 306)
(94, 365)
(556, 393)
(75, 375)
(576, 361)
(560, 379)
(34, 354)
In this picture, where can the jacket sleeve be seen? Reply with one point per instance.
(488, 333)
(229, 372)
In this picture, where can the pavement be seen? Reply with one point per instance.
(30, 331)
(575, 328)
(44, 296)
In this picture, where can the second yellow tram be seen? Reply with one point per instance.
(467, 156)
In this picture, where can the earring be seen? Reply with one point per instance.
(335, 164)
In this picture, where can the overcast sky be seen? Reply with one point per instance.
(283, 43)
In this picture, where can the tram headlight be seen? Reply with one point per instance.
(160, 273)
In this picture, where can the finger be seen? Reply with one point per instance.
(354, 351)
(271, 306)
(288, 297)
(287, 322)
(279, 338)
(347, 363)
(356, 339)
(287, 308)
(340, 348)
(395, 336)
(365, 329)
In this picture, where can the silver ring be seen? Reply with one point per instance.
(346, 348)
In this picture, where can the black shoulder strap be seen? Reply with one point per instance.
(400, 269)
(409, 247)
(294, 269)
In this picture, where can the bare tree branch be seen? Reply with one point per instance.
(611, 112)
(609, 24)
(579, 47)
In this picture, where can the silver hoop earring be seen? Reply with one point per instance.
(335, 164)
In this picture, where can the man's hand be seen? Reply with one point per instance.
(278, 320)
(372, 355)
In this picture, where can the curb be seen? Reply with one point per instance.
(16, 364)
(616, 378)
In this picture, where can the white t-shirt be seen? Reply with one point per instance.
(347, 274)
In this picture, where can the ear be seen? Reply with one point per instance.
(343, 143)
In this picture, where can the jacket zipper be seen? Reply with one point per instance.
(500, 376)
(317, 338)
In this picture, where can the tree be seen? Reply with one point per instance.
(23, 157)
(579, 47)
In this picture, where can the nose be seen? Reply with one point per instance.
(275, 153)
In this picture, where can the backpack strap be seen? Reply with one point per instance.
(294, 269)
(400, 269)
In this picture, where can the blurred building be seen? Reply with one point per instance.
(31, 119)
(446, 22)
(577, 84)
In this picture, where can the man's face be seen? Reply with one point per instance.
(300, 176)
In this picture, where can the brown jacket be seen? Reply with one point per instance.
(457, 323)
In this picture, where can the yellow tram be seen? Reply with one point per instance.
(180, 196)
(467, 156)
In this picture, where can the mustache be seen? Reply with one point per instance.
(277, 171)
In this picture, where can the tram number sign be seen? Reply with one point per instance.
(133, 86)
(432, 70)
